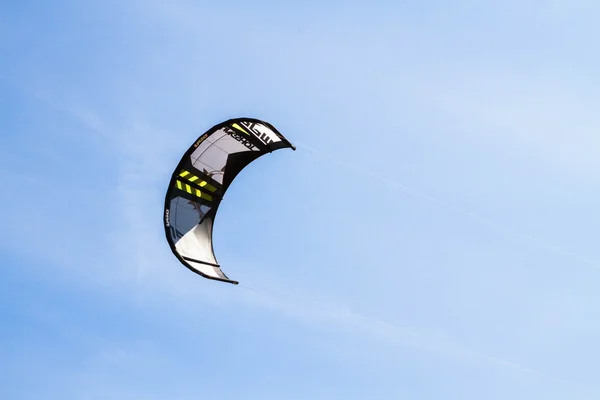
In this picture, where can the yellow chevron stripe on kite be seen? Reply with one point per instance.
(193, 178)
(193, 191)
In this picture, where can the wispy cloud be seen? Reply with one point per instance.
(538, 110)
(355, 323)
(138, 250)
(123, 127)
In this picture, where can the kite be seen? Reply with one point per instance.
(201, 179)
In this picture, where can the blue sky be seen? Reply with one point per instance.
(434, 236)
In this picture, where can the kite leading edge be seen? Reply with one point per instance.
(201, 179)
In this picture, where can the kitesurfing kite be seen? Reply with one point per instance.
(199, 182)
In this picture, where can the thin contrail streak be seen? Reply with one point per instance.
(404, 334)
(482, 220)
